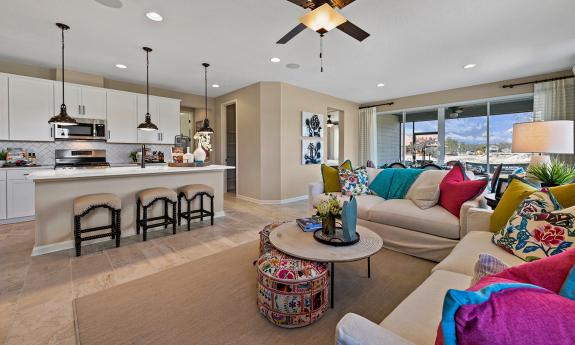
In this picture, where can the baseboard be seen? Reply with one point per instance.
(17, 220)
(65, 245)
(272, 202)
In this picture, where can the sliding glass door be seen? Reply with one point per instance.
(421, 140)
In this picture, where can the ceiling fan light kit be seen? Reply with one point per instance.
(323, 19)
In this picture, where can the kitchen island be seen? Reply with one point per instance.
(55, 191)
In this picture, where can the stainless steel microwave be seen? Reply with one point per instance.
(86, 129)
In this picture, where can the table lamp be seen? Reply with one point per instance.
(544, 138)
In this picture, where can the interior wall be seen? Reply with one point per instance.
(271, 171)
(475, 92)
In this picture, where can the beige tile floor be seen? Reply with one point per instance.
(36, 293)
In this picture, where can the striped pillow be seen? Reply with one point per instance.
(486, 265)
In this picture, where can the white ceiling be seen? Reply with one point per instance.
(416, 46)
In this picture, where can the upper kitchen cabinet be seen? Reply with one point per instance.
(4, 107)
(169, 120)
(81, 101)
(149, 137)
(122, 117)
(31, 106)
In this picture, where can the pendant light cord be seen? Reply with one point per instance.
(206, 88)
(321, 51)
(63, 99)
(147, 82)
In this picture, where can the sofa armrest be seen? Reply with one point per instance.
(353, 329)
(478, 219)
(473, 203)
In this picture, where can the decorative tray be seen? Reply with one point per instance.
(187, 165)
(336, 240)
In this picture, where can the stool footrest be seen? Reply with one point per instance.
(93, 237)
(104, 227)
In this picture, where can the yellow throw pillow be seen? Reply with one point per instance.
(564, 194)
(330, 177)
(517, 191)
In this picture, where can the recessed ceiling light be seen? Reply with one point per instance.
(110, 3)
(380, 85)
(216, 85)
(275, 59)
(154, 16)
(292, 66)
(121, 66)
(469, 66)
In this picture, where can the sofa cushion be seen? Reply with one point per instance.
(465, 254)
(427, 178)
(426, 196)
(364, 202)
(405, 214)
(417, 317)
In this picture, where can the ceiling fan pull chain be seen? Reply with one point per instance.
(321, 51)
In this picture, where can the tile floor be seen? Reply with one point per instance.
(36, 293)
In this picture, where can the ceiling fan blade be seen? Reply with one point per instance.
(292, 34)
(353, 30)
(341, 3)
(303, 3)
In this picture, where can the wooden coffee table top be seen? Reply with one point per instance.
(290, 239)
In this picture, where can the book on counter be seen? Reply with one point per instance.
(309, 224)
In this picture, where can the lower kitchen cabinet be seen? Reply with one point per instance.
(2, 195)
(18, 194)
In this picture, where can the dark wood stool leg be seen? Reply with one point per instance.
(113, 223)
(138, 217)
(77, 239)
(118, 226)
(174, 217)
(212, 209)
(145, 223)
(180, 210)
(165, 214)
(189, 215)
(201, 207)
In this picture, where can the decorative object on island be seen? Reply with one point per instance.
(553, 174)
(311, 125)
(543, 137)
(3, 155)
(147, 125)
(188, 156)
(311, 152)
(134, 156)
(63, 118)
(177, 154)
(203, 147)
(206, 129)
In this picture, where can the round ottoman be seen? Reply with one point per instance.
(265, 244)
(291, 292)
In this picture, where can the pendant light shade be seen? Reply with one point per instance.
(206, 129)
(147, 125)
(63, 118)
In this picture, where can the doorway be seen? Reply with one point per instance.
(231, 147)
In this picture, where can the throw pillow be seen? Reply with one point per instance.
(456, 189)
(487, 265)
(353, 182)
(425, 196)
(517, 191)
(538, 228)
(331, 177)
(372, 174)
(564, 194)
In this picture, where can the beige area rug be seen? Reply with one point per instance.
(213, 301)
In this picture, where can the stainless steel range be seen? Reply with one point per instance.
(81, 159)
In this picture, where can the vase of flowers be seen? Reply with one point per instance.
(328, 211)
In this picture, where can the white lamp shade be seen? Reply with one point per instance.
(543, 137)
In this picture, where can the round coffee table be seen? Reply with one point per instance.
(291, 239)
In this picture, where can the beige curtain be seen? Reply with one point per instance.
(555, 100)
(367, 135)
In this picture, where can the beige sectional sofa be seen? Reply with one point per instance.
(416, 319)
(430, 234)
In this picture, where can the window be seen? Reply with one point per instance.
(466, 136)
(421, 142)
(389, 138)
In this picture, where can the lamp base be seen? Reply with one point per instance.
(540, 159)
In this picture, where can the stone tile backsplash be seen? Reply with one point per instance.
(115, 153)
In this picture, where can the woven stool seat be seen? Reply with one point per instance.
(192, 189)
(146, 196)
(292, 292)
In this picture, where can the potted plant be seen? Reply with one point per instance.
(553, 174)
(328, 211)
(3, 155)
(134, 156)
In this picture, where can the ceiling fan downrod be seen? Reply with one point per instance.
(321, 51)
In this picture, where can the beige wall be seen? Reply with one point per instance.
(482, 91)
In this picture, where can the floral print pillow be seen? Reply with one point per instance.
(353, 182)
(538, 228)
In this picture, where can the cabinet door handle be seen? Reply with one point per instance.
(109, 134)
(84, 109)
(52, 131)
(79, 110)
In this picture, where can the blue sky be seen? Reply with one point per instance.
(473, 130)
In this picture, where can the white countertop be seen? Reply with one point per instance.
(27, 168)
(61, 174)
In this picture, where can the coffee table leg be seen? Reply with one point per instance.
(369, 267)
(332, 273)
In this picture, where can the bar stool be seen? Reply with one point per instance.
(84, 205)
(189, 193)
(145, 199)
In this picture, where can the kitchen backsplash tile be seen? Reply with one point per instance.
(115, 153)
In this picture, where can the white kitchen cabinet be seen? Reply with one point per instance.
(81, 101)
(169, 110)
(149, 137)
(19, 194)
(31, 105)
(2, 195)
(122, 117)
(4, 108)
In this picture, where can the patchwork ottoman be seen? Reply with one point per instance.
(265, 244)
(291, 292)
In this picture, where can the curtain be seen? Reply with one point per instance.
(367, 135)
(555, 100)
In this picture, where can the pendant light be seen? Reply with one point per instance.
(206, 129)
(147, 125)
(63, 118)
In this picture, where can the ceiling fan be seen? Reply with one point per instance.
(323, 18)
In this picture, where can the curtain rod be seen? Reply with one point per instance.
(377, 105)
(510, 86)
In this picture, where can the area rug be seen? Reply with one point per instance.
(213, 301)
